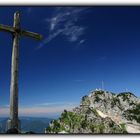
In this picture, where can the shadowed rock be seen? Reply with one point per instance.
(12, 131)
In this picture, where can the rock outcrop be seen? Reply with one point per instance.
(101, 112)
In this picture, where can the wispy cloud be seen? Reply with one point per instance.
(65, 22)
(81, 41)
(5, 106)
(4, 111)
(43, 109)
(29, 10)
(57, 104)
(101, 58)
(78, 80)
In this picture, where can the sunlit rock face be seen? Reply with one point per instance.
(101, 112)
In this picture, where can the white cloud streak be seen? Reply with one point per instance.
(44, 109)
(81, 41)
(57, 104)
(29, 10)
(79, 80)
(5, 106)
(101, 58)
(64, 22)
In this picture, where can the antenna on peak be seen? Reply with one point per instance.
(126, 90)
(102, 85)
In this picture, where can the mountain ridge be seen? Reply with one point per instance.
(101, 112)
(34, 124)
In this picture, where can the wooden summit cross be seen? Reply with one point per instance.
(17, 32)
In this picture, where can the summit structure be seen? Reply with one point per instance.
(17, 32)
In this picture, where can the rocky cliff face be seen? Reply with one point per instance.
(101, 112)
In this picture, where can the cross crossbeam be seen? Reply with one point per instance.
(20, 32)
(6, 28)
(17, 32)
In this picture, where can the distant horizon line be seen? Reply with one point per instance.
(30, 117)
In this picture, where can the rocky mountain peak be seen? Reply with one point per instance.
(101, 112)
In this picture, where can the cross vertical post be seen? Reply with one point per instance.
(13, 121)
(17, 32)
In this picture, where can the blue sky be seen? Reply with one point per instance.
(81, 47)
